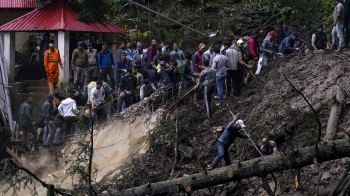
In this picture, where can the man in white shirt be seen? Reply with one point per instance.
(68, 109)
(97, 99)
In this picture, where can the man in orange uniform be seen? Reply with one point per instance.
(52, 59)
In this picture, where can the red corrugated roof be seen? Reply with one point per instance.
(18, 3)
(57, 16)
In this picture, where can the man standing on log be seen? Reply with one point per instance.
(225, 140)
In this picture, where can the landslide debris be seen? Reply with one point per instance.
(271, 109)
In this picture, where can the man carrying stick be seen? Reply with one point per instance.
(225, 140)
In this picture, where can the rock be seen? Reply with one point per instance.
(326, 176)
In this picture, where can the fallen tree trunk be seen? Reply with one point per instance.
(235, 172)
(336, 110)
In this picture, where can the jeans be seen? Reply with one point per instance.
(128, 99)
(223, 154)
(31, 130)
(110, 73)
(219, 86)
(57, 135)
(337, 32)
(48, 133)
(69, 122)
(117, 81)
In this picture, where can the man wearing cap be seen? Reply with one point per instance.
(268, 147)
(79, 65)
(106, 65)
(147, 89)
(338, 25)
(44, 45)
(198, 59)
(92, 62)
(120, 67)
(127, 89)
(47, 109)
(319, 39)
(287, 45)
(225, 140)
(52, 60)
(140, 59)
(268, 48)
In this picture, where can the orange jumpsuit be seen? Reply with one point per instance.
(51, 61)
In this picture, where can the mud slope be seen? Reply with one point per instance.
(272, 109)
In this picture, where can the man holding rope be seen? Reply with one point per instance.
(226, 139)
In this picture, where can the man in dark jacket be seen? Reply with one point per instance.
(106, 64)
(319, 39)
(225, 140)
(287, 45)
(27, 124)
(127, 89)
(152, 75)
(47, 109)
(140, 58)
(120, 67)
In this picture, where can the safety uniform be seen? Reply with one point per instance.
(51, 60)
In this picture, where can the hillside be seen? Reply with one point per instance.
(272, 109)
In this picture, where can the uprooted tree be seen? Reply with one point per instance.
(298, 158)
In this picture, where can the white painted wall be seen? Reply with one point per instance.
(9, 54)
(63, 47)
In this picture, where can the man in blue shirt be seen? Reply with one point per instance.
(106, 65)
(177, 51)
(225, 140)
(287, 45)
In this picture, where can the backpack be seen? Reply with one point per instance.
(246, 51)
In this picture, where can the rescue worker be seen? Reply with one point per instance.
(268, 147)
(44, 45)
(287, 45)
(79, 65)
(268, 48)
(319, 39)
(309, 35)
(52, 59)
(225, 140)
(207, 83)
